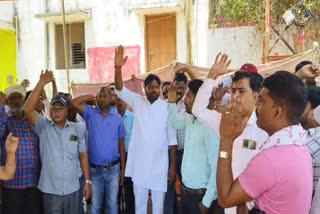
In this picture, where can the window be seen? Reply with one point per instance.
(75, 44)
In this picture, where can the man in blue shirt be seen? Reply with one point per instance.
(200, 158)
(128, 185)
(61, 146)
(106, 138)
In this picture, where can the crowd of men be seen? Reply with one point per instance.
(229, 144)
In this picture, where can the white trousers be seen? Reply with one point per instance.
(141, 196)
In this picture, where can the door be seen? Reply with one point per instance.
(160, 40)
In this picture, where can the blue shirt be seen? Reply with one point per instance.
(104, 134)
(128, 124)
(200, 157)
(59, 153)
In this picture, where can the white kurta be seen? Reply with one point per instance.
(151, 137)
(240, 156)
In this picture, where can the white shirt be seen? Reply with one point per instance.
(151, 137)
(240, 156)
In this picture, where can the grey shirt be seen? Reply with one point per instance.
(59, 152)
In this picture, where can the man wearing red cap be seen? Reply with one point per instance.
(246, 84)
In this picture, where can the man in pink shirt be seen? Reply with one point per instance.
(279, 178)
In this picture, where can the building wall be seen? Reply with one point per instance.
(8, 74)
(242, 44)
(114, 22)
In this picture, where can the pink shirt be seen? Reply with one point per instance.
(280, 180)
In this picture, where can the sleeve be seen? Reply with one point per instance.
(40, 123)
(200, 110)
(82, 146)
(3, 121)
(87, 112)
(46, 104)
(172, 134)
(121, 130)
(259, 176)
(176, 121)
(212, 142)
(128, 97)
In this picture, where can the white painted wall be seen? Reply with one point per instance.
(242, 44)
(6, 14)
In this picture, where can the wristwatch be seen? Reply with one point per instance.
(88, 181)
(225, 155)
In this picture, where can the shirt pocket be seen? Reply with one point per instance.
(72, 149)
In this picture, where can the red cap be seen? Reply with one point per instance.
(250, 68)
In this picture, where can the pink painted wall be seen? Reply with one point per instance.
(101, 63)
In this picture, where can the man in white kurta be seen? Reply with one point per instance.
(152, 135)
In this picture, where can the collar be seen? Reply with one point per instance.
(314, 131)
(112, 111)
(253, 118)
(127, 113)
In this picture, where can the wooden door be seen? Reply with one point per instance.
(160, 40)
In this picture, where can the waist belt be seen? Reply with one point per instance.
(106, 166)
(188, 191)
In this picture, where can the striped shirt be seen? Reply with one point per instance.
(181, 132)
(27, 154)
(313, 143)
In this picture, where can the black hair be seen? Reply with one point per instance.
(301, 64)
(102, 88)
(288, 91)
(28, 94)
(313, 96)
(180, 77)
(150, 78)
(194, 86)
(255, 79)
(164, 84)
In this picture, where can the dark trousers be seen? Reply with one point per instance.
(128, 196)
(21, 201)
(190, 204)
(58, 204)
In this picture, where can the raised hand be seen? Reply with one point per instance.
(25, 83)
(233, 122)
(219, 92)
(46, 77)
(12, 144)
(3, 99)
(119, 59)
(309, 72)
(220, 66)
(172, 94)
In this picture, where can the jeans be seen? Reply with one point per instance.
(105, 184)
(20, 201)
